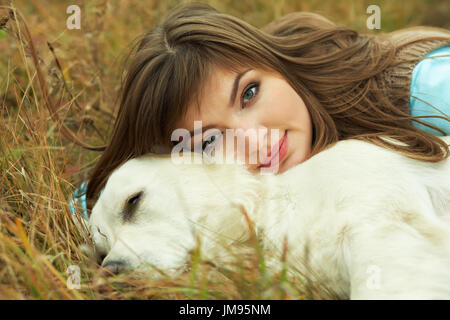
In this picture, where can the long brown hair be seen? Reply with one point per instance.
(336, 71)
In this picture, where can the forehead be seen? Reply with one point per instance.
(213, 92)
(212, 95)
(141, 168)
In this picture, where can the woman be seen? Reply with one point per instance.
(312, 80)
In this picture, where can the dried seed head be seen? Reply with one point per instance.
(3, 21)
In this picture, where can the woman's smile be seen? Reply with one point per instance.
(252, 100)
(277, 153)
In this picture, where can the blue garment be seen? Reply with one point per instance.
(430, 84)
(79, 197)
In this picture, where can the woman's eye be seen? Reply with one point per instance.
(209, 141)
(249, 93)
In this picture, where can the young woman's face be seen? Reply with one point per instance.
(262, 100)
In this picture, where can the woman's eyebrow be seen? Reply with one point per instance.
(235, 86)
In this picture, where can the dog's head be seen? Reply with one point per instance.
(152, 211)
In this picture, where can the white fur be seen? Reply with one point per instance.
(372, 223)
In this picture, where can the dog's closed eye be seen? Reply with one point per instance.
(131, 205)
(134, 199)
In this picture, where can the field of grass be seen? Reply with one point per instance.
(40, 167)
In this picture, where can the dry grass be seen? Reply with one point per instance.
(40, 168)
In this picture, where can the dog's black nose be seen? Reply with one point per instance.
(114, 267)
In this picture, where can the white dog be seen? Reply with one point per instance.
(376, 223)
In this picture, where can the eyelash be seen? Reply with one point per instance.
(208, 140)
(249, 87)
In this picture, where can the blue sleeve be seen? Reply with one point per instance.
(430, 86)
(78, 198)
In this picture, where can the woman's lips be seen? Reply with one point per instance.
(279, 149)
